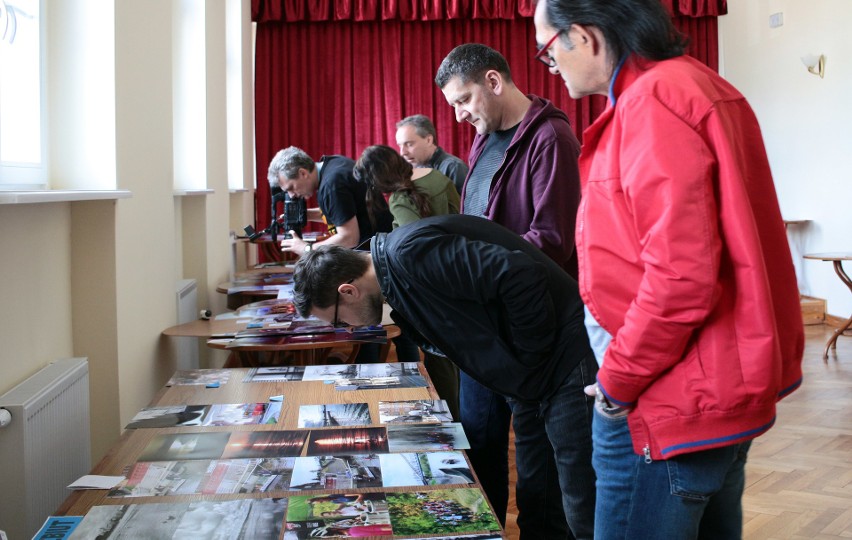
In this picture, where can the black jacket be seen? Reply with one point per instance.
(493, 303)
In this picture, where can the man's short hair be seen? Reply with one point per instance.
(470, 62)
(288, 162)
(321, 271)
(422, 126)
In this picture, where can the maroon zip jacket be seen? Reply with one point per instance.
(536, 190)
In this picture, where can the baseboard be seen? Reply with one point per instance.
(813, 310)
(835, 321)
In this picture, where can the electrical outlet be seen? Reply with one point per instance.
(776, 20)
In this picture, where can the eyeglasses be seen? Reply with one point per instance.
(543, 56)
(335, 323)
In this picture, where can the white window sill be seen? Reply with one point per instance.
(238, 190)
(61, 195)
(192, 192)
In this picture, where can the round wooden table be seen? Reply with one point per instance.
(836, 258)
(305, 352)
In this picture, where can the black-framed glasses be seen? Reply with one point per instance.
(543, 56)
(335, 323)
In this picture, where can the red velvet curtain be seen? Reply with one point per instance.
(333, 77)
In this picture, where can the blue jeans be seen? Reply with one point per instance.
(553, 448)
(485, 417)
(696, 495)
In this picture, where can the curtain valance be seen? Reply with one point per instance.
(432, 10)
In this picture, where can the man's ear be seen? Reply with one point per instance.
(303, 173)
(587, 36)
(493, 81)
(349, 289)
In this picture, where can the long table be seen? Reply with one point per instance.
(132, 442)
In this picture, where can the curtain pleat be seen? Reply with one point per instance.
(433, 10)
(335, 86)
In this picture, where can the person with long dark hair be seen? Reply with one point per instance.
(414, 193)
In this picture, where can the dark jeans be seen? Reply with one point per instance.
(696, 495)
(553, 448)
(485, 417)
(445, 377)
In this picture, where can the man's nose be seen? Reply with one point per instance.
(461, 115)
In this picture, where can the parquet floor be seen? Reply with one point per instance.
(799, 475)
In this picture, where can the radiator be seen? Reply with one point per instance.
(46, 445)
(186, 348)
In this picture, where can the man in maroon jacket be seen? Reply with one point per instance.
(523, 175)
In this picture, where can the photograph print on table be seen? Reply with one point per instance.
(370, 440)
(203, 477)
(418, 411)
(336, 472)
(185, 446)
(230, 414)
(334, 415)
(425, 469)
(460, 510)
(337, 515)
(426, 437)
(200, 376)
(275, 374)
(252, 444)
(249, 519)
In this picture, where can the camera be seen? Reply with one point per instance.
(295, 215)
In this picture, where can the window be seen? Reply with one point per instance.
(22, 99)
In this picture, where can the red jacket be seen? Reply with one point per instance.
(684, 260)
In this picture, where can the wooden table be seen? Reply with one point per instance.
(244, 292)
(132, 442)
(303, 353)
(270, 249)
(836, 258)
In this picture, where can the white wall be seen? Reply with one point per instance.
(97, 279)
(806, 121)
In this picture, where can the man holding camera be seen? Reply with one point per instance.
(341, 198)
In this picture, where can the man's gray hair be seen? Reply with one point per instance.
(288, 162)
(422, 126)
(470, 62)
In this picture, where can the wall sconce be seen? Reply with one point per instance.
(815, 64)
(8, 23)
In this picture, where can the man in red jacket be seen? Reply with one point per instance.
(683, 263)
